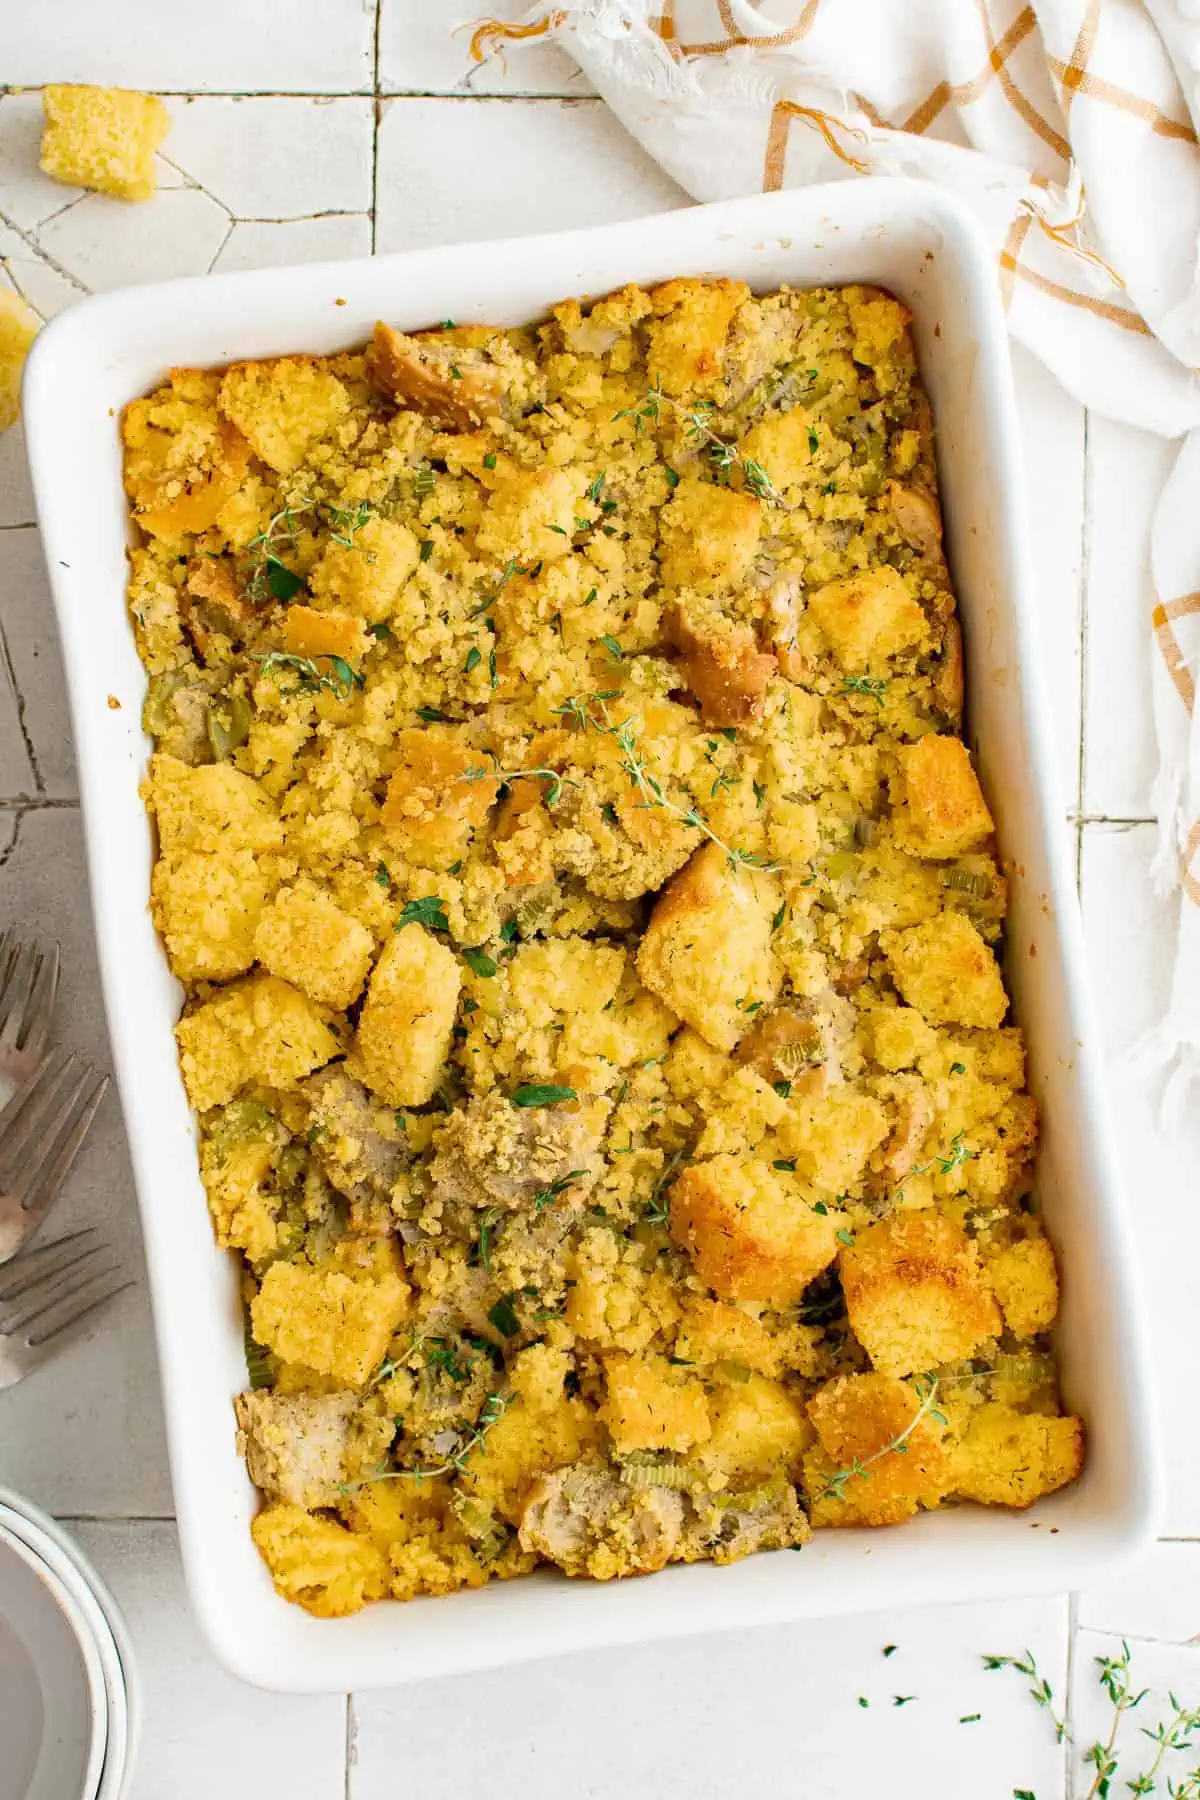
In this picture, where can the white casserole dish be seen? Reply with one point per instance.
(907, 237)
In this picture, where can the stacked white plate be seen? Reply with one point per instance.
(68, 1698)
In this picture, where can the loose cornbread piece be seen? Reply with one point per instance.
(103, 138)
(588, 915)
(19, 325)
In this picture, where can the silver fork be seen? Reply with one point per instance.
(28, 986)
(41, 1130)
(48, 1298)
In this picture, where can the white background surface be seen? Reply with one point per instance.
(313, 128)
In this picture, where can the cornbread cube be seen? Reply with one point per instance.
(706, 951)
(707, 535)
(19, 325)
(207, 910)
(404, 1030)
(530, 514)
(686, 339)
(334, 1320)
(318, 1563)
(868, 617)
(652, 1405)
(830, 1136)
(304, 938)
(781, 443)
(1024, 1279)
(431, 807)
(184, 463)
(879, 322)
(916, 1293)
(213, 808)
(243, 1216)
(712, 1331)
(724, 666)
(943, 811)
(283, 407)
(307, 632)
(365, 577)
(1008, 1458)
(857, 1417)
(946, 970)
(260, 1029)
(751, 1230)
(103, 138)
(539, 1431)
(900, 1037)
(759, 1430)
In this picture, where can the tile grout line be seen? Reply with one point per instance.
(1069, 1708)
(351, 1747)
(376, 120)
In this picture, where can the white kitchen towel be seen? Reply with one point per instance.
(1069, 128)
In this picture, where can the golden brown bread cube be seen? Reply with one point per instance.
(184, 463)
(102, 138)
(305, 938)
(283, 407)
(337, 1316)
(707, 949)
(404, 1029)
(853, 1477)
(454, 385)
(652, 1405)
(1009, 1458)
(307, 632)
(434, 799)
(869, 617)
(19, 325)
(751, 1230)
(318, 1563)
(257, 1030)
(916, 1293)
(686, 339)
(943, 811)
(708, 535)
(724, 667)
(947, 971)
(366, 576)
(759, 1430)
(1024, 1279)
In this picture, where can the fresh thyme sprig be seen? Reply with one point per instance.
(1039, 1689)
(270, 577)
(926, 1389)
(658, 1207)
(339, 679)
(553, 791)
(577, 710)
(722, 454)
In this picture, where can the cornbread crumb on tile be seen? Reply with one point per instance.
(19, 325)
(588, 917)
(103, 138)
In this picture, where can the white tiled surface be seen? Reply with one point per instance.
(289, 174)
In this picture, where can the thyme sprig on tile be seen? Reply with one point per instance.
(578, 712)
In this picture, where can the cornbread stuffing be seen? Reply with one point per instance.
(589, 917)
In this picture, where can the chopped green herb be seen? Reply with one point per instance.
(479, 962)
(785, 1162)
(783, 1089)
(426, 550)
(550, 1194)
(381, 630)
(814, 442)
(455, 372)
(595, 486)
(504, 1317)
(875, 687)
(970, 1718)
(958, 1068)
(902, 1699)
(382, 876)
(492, 676)
(454, 867)
(561, 532)
(401, 1122)
(590, 597)
(890, 1649)
(282, 581)
(508, 931)
(430, 912)
(534, 1093)
(760, 792)
(611, 645)
(489, 461)
(610, 813)
(844, 1236)
(862, 1701)
(339, 679)
(487, 1223)
(778, 917)
(473, 660)
(819, 1206)
(431, 715)
(441, 1355)
(672, 475)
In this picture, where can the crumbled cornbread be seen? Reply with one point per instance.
(103, 138)
(19, 325)
(588, 910)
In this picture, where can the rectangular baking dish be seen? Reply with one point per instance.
(910, 238)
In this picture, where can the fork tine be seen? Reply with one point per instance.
(22, 1118)
(14, 1000)
(45, 1343)
(46, 1178)
(40, 1308)
(45, 1263)
(40, 1014)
